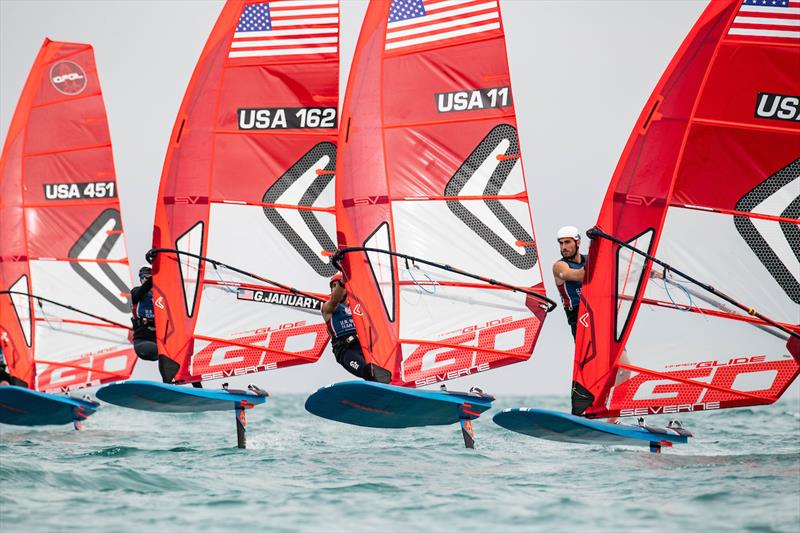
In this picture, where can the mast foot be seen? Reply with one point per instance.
(468, 433)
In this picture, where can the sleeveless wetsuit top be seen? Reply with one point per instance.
(340, 324)
(144, 307)
(571, 290)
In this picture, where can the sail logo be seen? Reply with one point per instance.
(778, 107)
(80, 191)
(483, 174)
(263, 349)
(776, 244)
(68, 78)
(471, 100)
(477, 349)
(279, 298)
(97, 243)
(286, 118)
(302, 185)
(753, 375)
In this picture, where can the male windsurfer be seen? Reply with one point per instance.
(568, 273)
(144, 327)
(346, 348)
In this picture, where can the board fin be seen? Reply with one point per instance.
(468, 433)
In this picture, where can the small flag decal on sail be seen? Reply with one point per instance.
(775, 20)
(287, 28)
(430, 22)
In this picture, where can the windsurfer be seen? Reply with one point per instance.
(144, 327)
(346, 348)
(568, 273)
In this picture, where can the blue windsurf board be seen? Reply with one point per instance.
(25, 407)
(166, 398)
(563, 427)
(377, 405)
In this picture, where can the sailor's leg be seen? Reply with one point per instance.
(352, 359)
(146, 350)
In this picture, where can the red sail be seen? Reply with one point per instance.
(709, 183)
(430, 166)
(62, 232)
(248, 181)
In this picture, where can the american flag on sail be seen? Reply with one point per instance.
(286, 28)
(773, 20)
(429, 22)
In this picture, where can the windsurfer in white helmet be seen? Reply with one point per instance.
(569, 272)
(342, 329)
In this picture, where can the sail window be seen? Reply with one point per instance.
(630, 268)
(381, 266)
(22, 307)
(190, 242)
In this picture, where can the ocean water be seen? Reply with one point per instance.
(136, 471)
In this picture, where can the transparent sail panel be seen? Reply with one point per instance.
(630, 267)
(191, 242)
(381, 266)
(22, 307)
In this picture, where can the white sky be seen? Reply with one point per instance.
(581, 72)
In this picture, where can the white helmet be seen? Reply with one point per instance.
(569, 232)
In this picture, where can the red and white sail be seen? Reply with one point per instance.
(429, 165)
(61, 228)
(709, 183)
(249, 181)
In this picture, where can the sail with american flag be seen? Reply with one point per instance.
(775, 21)
(248, 180)
(420, 24)
(280, 28)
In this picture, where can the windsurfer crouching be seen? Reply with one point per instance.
(569, 272)
(144, 327)
(342, 329)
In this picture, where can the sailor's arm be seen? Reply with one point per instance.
(562, 273)
(137, 293)
(337, 296)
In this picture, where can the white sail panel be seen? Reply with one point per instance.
(724, 256)
(191, 242)
(428, 230)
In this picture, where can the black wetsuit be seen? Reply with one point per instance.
(144, 324)
(344, 340)
(571, 294)
(144, 332)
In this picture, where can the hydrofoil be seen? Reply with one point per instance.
(166, 398)
(378, 405)
(563, 427)
(25, 407)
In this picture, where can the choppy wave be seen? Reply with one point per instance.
(133, 471)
